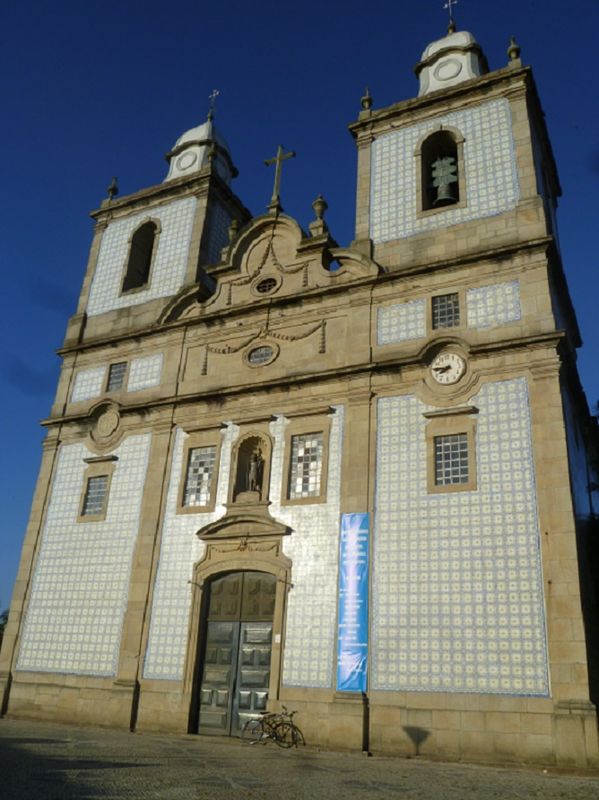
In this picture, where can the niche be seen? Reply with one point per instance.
(252, 469)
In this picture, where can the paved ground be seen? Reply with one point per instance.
(40, 761)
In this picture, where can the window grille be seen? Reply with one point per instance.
(306, 465)
(95, 496)
(200, 472)
(446, 311)
(116, 376)
(451, 459)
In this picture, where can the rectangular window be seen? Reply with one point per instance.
(116, 376)
(95, 496)
(446, 311)
(305, 470)
(451, 459)
(200, 473)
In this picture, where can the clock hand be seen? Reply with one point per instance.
(442, 369)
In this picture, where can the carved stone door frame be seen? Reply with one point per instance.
(254, 552)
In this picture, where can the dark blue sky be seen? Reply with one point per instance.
(100, 88)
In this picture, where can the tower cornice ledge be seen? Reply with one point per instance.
(444, 97)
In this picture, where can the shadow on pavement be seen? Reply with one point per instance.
(25, 775)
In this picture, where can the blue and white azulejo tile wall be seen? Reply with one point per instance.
(401, 322)
(486, 307)
(169, 262)
(180, 549)
(81, 581)
(490, 172)
(457, 583)
(498, 304)
(313, 548)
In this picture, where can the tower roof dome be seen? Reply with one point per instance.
(454, 58)
(195, 148)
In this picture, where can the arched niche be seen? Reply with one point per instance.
(251, 459)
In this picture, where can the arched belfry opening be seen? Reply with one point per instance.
(139, 262)
(440, 171)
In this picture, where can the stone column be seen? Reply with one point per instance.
(145, 561)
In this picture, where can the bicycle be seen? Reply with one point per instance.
(279, 727)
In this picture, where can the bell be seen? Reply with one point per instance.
(445, 195)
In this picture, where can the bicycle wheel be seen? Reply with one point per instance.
(253, 731)
(299, 737)
(284, 734)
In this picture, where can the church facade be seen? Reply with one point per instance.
(357, 481)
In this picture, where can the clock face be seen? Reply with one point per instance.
(448, 368)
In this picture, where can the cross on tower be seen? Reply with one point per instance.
(212, 100)
(449, 6)
(275, 201)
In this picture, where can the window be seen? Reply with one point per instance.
(116, 376)
(451, 452)
(95, 496)
(96, 488)
(200, 474)
(446, 311)
(305, 469)
(141, 250)
(451, 459)
(260, 355)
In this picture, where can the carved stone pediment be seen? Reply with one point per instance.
(244, 520)
(272, 258)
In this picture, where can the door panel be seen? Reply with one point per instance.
(220, 664)
(253, 671)
(238, 635)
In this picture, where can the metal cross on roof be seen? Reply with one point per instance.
(212, 100)
(449, 6)
(275, 201)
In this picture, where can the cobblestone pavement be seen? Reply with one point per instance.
(41, 761)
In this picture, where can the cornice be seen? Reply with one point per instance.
(333, 374)
(476, 88)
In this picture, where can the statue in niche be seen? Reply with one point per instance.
(255, 471)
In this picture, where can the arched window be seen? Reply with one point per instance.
(142, 246)
(441, 170)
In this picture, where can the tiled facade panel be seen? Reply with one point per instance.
(488, 306)
(180, 549)
(490, 172)
(88, 383)
(169, 262)
(218, 234)
(144, 372)
(458, 592)
(81, 581)
(401, 322)
(313, 546)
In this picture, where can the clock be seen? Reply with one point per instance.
(447, 368)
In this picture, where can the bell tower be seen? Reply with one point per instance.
(464, 166)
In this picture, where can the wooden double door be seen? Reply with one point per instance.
(235, 665)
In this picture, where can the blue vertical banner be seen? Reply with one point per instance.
(352, 649)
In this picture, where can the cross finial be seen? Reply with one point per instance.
(275, 201)
(212, 102)
(449, 6)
